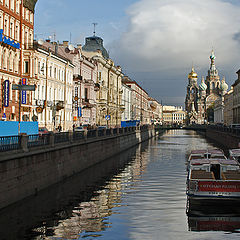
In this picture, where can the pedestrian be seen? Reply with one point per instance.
(59, 128)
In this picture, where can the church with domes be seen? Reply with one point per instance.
(200, 99)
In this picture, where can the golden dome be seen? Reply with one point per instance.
(192, 74)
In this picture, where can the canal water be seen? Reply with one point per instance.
(137, 195)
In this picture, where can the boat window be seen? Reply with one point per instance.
(207, 155)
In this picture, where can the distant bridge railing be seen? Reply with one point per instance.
(27, 142)
(196, 127)
(223, 128)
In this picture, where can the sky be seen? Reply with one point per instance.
(156, 42)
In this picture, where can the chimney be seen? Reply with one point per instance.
(65, 43)
(56, 49)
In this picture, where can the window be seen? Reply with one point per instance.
(17, 6)
(26, 67)
(16, 33)
(86, 94)
(16, 63)
(50, 71)
(6, 26)
(11, 30)
(11, 62)
(12, 5)
(1, 21)
(39, 64)
(7, 3)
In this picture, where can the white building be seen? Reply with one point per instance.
(127, 102)
(53, 76)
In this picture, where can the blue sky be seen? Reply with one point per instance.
(76, 17)
(155, 41)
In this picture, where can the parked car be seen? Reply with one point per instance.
(42, 130)
(102, 127)
(79, 129)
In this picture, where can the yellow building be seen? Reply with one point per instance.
(173, 115)
(109, 96)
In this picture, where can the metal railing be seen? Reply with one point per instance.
(25, 142)
(101, 132)
(78, 136)
(10, 143)
(38, 140)
(227, 129)
(91, 133)
(61, 137)
(108, 132)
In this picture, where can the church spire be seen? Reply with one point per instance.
(213, 71)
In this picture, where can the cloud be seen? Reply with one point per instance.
(164, 37)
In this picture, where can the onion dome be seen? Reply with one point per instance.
(212, 57)
(192, 74)
(223, 85)
(203, 86)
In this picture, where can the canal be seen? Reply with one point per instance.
(139, 194)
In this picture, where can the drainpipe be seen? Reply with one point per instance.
(45, 104)
(20, 62)
(117, 102)
(108, 96)
(65, 97)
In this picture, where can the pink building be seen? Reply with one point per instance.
(85, 87)
(140, 104)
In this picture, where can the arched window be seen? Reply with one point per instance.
(16, 63)
(213, 85)
(11, 62)
(4, 60)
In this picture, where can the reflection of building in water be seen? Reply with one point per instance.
(91, 218)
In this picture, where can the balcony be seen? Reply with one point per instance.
(77, 77)
(86, 104)
(96, 87)
(59, 105)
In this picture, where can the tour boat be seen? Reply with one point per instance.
(206, 154)
(234, 154)
(213, 178)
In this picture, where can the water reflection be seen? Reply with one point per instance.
(139, 194)
(227, 224)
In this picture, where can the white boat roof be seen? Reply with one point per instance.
(211, 151)
(213, 161)
(234, 152)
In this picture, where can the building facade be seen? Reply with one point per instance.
(140, 104)
(228, 107)
(85, 87)
(53, 76)
(109, 82)
(173, 115)
(200, 99)
(16, 34)
(155, 111)
(127, 102)
(236, 99)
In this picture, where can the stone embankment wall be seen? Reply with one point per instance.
(227, 139)
(25, 173)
